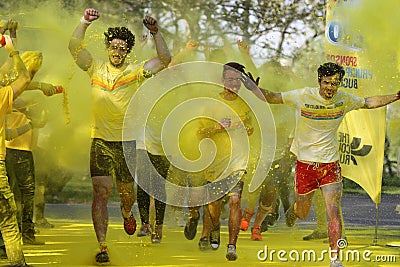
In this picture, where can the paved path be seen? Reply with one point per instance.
(72, 242)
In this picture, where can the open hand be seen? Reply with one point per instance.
(249, 82)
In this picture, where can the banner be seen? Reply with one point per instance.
(362, 132)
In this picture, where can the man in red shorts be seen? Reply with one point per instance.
(319, 112)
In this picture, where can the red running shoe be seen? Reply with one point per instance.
(130, 225)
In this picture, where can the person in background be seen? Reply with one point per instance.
(8, 220)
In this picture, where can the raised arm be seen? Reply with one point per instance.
(23, 79)
(244, 50)
(263, 94)
(190, 47)
(76, 45)
(163, 58)
(380, 101)
(10, 25)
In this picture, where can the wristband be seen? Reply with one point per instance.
(84, 21)
(152, 33)
(13, 53)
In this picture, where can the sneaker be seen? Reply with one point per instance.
(215, 238)
(130, 225)
(43, 223)
(204, 244)
(271, 219)
(244, 224)
(191, 227)
(231, 254)
(256, 233)
(336, 263)
(291, 217)
(102, 258)
(264, 226)
(156, 236)
(315, 235)
(145, 230)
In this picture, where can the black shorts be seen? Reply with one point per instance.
(109, 158)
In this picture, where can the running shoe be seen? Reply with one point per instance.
(215, 237)
(156, 236)
(336, 263)
(204, 244)
(244, 224)
(191, 226)
(272, 218)
(145, 230)
(264, 226)
(130, 224)
(291, 217)
(256, 233)
(102, 258)
(315, 235)
(231, 254)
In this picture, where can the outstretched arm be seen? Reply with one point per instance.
(10, 25)
(163, 58)
(263, 94)
(23, 79)
(190, 47)
(380, 101)
(76, 45)
(244, 50)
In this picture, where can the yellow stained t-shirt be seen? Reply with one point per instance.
(232, 145)
(6, 100)
(17, 119)
(112, 90)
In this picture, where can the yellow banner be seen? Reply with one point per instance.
(362, 132)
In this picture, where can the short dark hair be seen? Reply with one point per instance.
(330, 69)
(233, 65)
(121, 33)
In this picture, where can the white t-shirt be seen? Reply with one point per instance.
(317, 122)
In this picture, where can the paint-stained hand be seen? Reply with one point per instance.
(249, 82)
(192, 45)
(48, 89)
(225, 123)
(9, 44)
(151, 24)
(91, 14)
(243, 46)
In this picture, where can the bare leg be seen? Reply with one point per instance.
(302, 205)
(206, 223)
(101, 190)
(214, 209)
(127, 196)
(268, 199)
(332, 194)
(234, 218)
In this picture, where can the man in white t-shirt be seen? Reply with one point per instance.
(319, 112)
